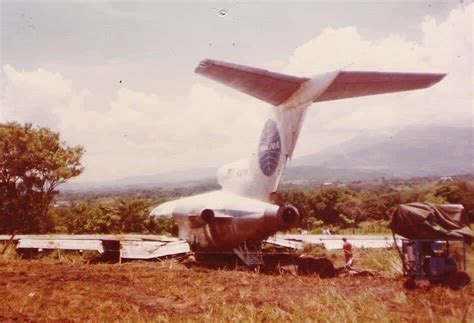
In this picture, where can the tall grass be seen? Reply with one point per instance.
(8, 252)
(383, 262)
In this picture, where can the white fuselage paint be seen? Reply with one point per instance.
(238, 219)
(242, 208)
(289, 117)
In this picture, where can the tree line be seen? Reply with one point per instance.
(34, 162)
(355, 205)
(121, 215)
(367, 206)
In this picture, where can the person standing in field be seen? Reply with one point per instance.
(348, 255)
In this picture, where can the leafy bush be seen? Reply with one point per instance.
(369, 208)
(121, 216)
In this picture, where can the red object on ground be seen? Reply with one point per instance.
(347, 247)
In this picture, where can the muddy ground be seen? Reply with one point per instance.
(65, 290)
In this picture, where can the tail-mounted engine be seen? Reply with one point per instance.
(279, 218)
(197, 217)
(289, 215)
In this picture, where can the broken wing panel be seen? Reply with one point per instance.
(130, 246)
(284, 242)
(359, 244)
(152, 249)
(334, 242)
(61, 244)
(350, 84)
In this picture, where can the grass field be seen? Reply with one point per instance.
(71, 290)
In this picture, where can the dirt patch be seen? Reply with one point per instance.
(52, 290)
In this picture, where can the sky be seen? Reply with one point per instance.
(118, 77)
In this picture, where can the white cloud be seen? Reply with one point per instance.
(445, 47)
(36, 96)
(139, 133)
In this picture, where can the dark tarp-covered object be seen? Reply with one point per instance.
(431, 221)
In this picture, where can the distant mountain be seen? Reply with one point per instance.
(171, 179)
(194, 174)
(320, 175)
(414, 151)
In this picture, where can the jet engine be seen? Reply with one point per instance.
(207, 215)
(197, 216)
(289, 215)
(278, 218)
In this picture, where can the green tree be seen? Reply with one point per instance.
(461, 192)
(322, 207)
(379, 205)
(132, 215)
(327, 205)
(123, 215)
(33, 162)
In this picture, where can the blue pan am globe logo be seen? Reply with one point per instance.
(269, 148)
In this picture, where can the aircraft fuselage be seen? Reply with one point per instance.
(221, 220)
(240, 213)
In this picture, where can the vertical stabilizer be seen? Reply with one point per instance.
(291, 96)
(262, 173)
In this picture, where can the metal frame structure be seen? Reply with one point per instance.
(432, 260)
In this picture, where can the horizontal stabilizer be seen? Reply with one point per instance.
(274, 88)
(349, 84)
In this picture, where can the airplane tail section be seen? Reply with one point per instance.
(292, 96)
(276, 88)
